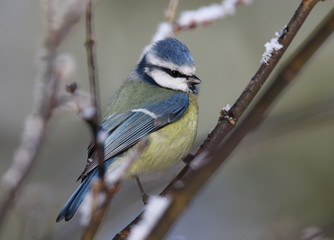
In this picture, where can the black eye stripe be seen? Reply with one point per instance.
(173, 73)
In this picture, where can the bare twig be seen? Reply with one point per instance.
(171, 11)
(183, 194)
(98, 187)
(91, 60)
(94, 122)
(46, 90)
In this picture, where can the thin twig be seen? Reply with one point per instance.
(94, 122)
(191, 19)
(91, 59)
(35, 125)
(192, 184)
(171, 11)
(206, 15)
(98, 187)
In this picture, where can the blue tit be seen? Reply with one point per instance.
(158, 100)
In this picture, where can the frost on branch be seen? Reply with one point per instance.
(208, 14)
(155, 208)
(165, 29)
(65, 66)
(87, 113)
(272, 46)
(86, 208)
(227, 107)
(198, 17)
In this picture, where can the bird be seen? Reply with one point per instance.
(158, 101)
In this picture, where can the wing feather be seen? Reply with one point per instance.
(127, 128)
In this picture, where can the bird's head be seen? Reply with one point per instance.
(169, 64)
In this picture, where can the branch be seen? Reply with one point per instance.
(47, 91)
(95, 119)
(257, 81)
(289, 71)
(182, 195)
(192, 19)
(206, 15)
(98, 211)
(94, 211)
(212, 152)
(171, 11)
(228, 119)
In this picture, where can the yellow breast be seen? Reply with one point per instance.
(169, 144)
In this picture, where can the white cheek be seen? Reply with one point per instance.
(166, 81)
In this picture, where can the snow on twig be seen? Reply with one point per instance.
(192, 18)
(155, 207)
(272, 46)
(209, 14)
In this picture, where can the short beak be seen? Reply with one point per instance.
(194, 80)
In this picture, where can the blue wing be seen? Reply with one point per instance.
(125, 129)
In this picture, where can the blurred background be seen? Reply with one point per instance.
(278, 184)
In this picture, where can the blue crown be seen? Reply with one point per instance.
(172, 50)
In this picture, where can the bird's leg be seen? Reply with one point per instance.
(144, 196)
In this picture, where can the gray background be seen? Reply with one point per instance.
(275, 185)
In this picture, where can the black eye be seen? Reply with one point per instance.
(175, 74)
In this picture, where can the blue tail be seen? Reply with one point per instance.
(76, 199)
